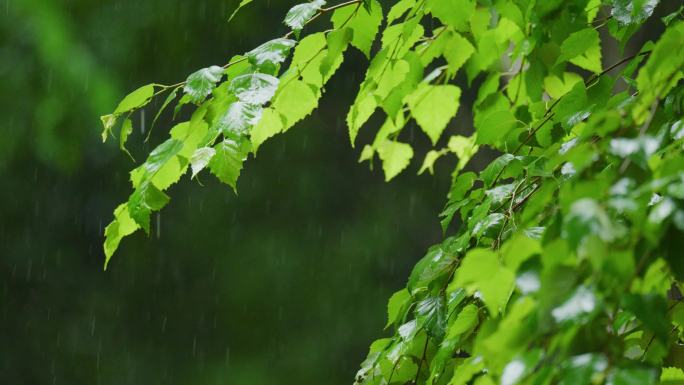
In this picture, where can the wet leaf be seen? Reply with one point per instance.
(255, 88)
(300, 14)
(200, 84)
(269, 55)
(226, 164)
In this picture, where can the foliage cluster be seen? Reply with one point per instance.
(564, 266)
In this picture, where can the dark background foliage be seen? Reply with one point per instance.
(285, 283)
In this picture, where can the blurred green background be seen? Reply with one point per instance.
(284, 284)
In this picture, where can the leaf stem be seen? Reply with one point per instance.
(341, 5)
(321, 11)
(595, 77)
(422, 358)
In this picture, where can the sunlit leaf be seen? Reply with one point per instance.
(363, 21)
(395, 157)
(427, 108)
(135, 99)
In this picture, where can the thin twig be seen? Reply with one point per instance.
(420, 363)
(595, 77)
(341, 5)
(323, 11)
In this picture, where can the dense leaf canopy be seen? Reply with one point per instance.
(563, 261)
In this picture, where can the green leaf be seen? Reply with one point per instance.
(226, 164)
(239, 118)
(173, 156)
(126, 129)
(108, 122)
(481, 271)
(464, 148)
(582, 48)
(269, 55)
(592, 9)
(672, 16)
(433, 107)
(121, 226)
(466, 320)
(294, 101)
(307, 49)
(460, 185)
(396, 306)
(454, 13)
(577, 308)
(135, 99)
(457, 51)
(587, 218)
(632, 376)
(556, 87)
(391, 78)
(662, 71)
(648, 309)
(147, 197)
(312, 74)
(467, 370)
(399, 9)
(255, 88)
(201, 83)
(435, 266)
(270, 124)
(160, 156)
(489, 226)
(300, 14)
(363, 21)
(519, 249)
(517, 370)
(573, 107)
(672, 375)
(200, 159)
(242, 4)
(495, 168)
(429, 161)
(582, 368)
(494, 125)
(238, 65)
(400, 38)
(337, 42)
(362, 109)
(167, 101)
(395, 157)
(638, 149)
(630, 12)
(143, 201)
(500, 193)
(431, 314)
